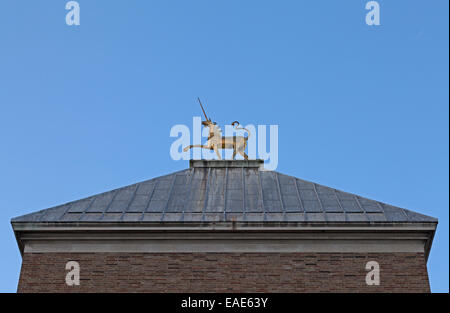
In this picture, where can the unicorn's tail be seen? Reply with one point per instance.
(238, 128)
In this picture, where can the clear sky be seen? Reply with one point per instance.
(85, 109)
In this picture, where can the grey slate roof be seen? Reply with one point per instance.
(216, 193)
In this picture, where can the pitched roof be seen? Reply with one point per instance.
(214, 191)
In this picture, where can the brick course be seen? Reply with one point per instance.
(223, 272)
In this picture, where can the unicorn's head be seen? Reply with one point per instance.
(213, 128)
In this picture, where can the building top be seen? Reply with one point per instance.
(225, 191)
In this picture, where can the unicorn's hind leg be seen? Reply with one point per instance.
(243, 154)
(241, 150)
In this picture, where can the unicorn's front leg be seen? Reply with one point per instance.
(195, 146)
(217, 152)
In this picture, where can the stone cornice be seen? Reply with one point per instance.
(225, 237)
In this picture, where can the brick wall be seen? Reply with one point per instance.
(223, 272)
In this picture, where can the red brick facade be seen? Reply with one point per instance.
(223, 272)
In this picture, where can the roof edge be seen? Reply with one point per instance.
(229, 225)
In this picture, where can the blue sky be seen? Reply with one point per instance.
(89, 108)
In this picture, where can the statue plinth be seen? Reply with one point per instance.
(258, 163)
